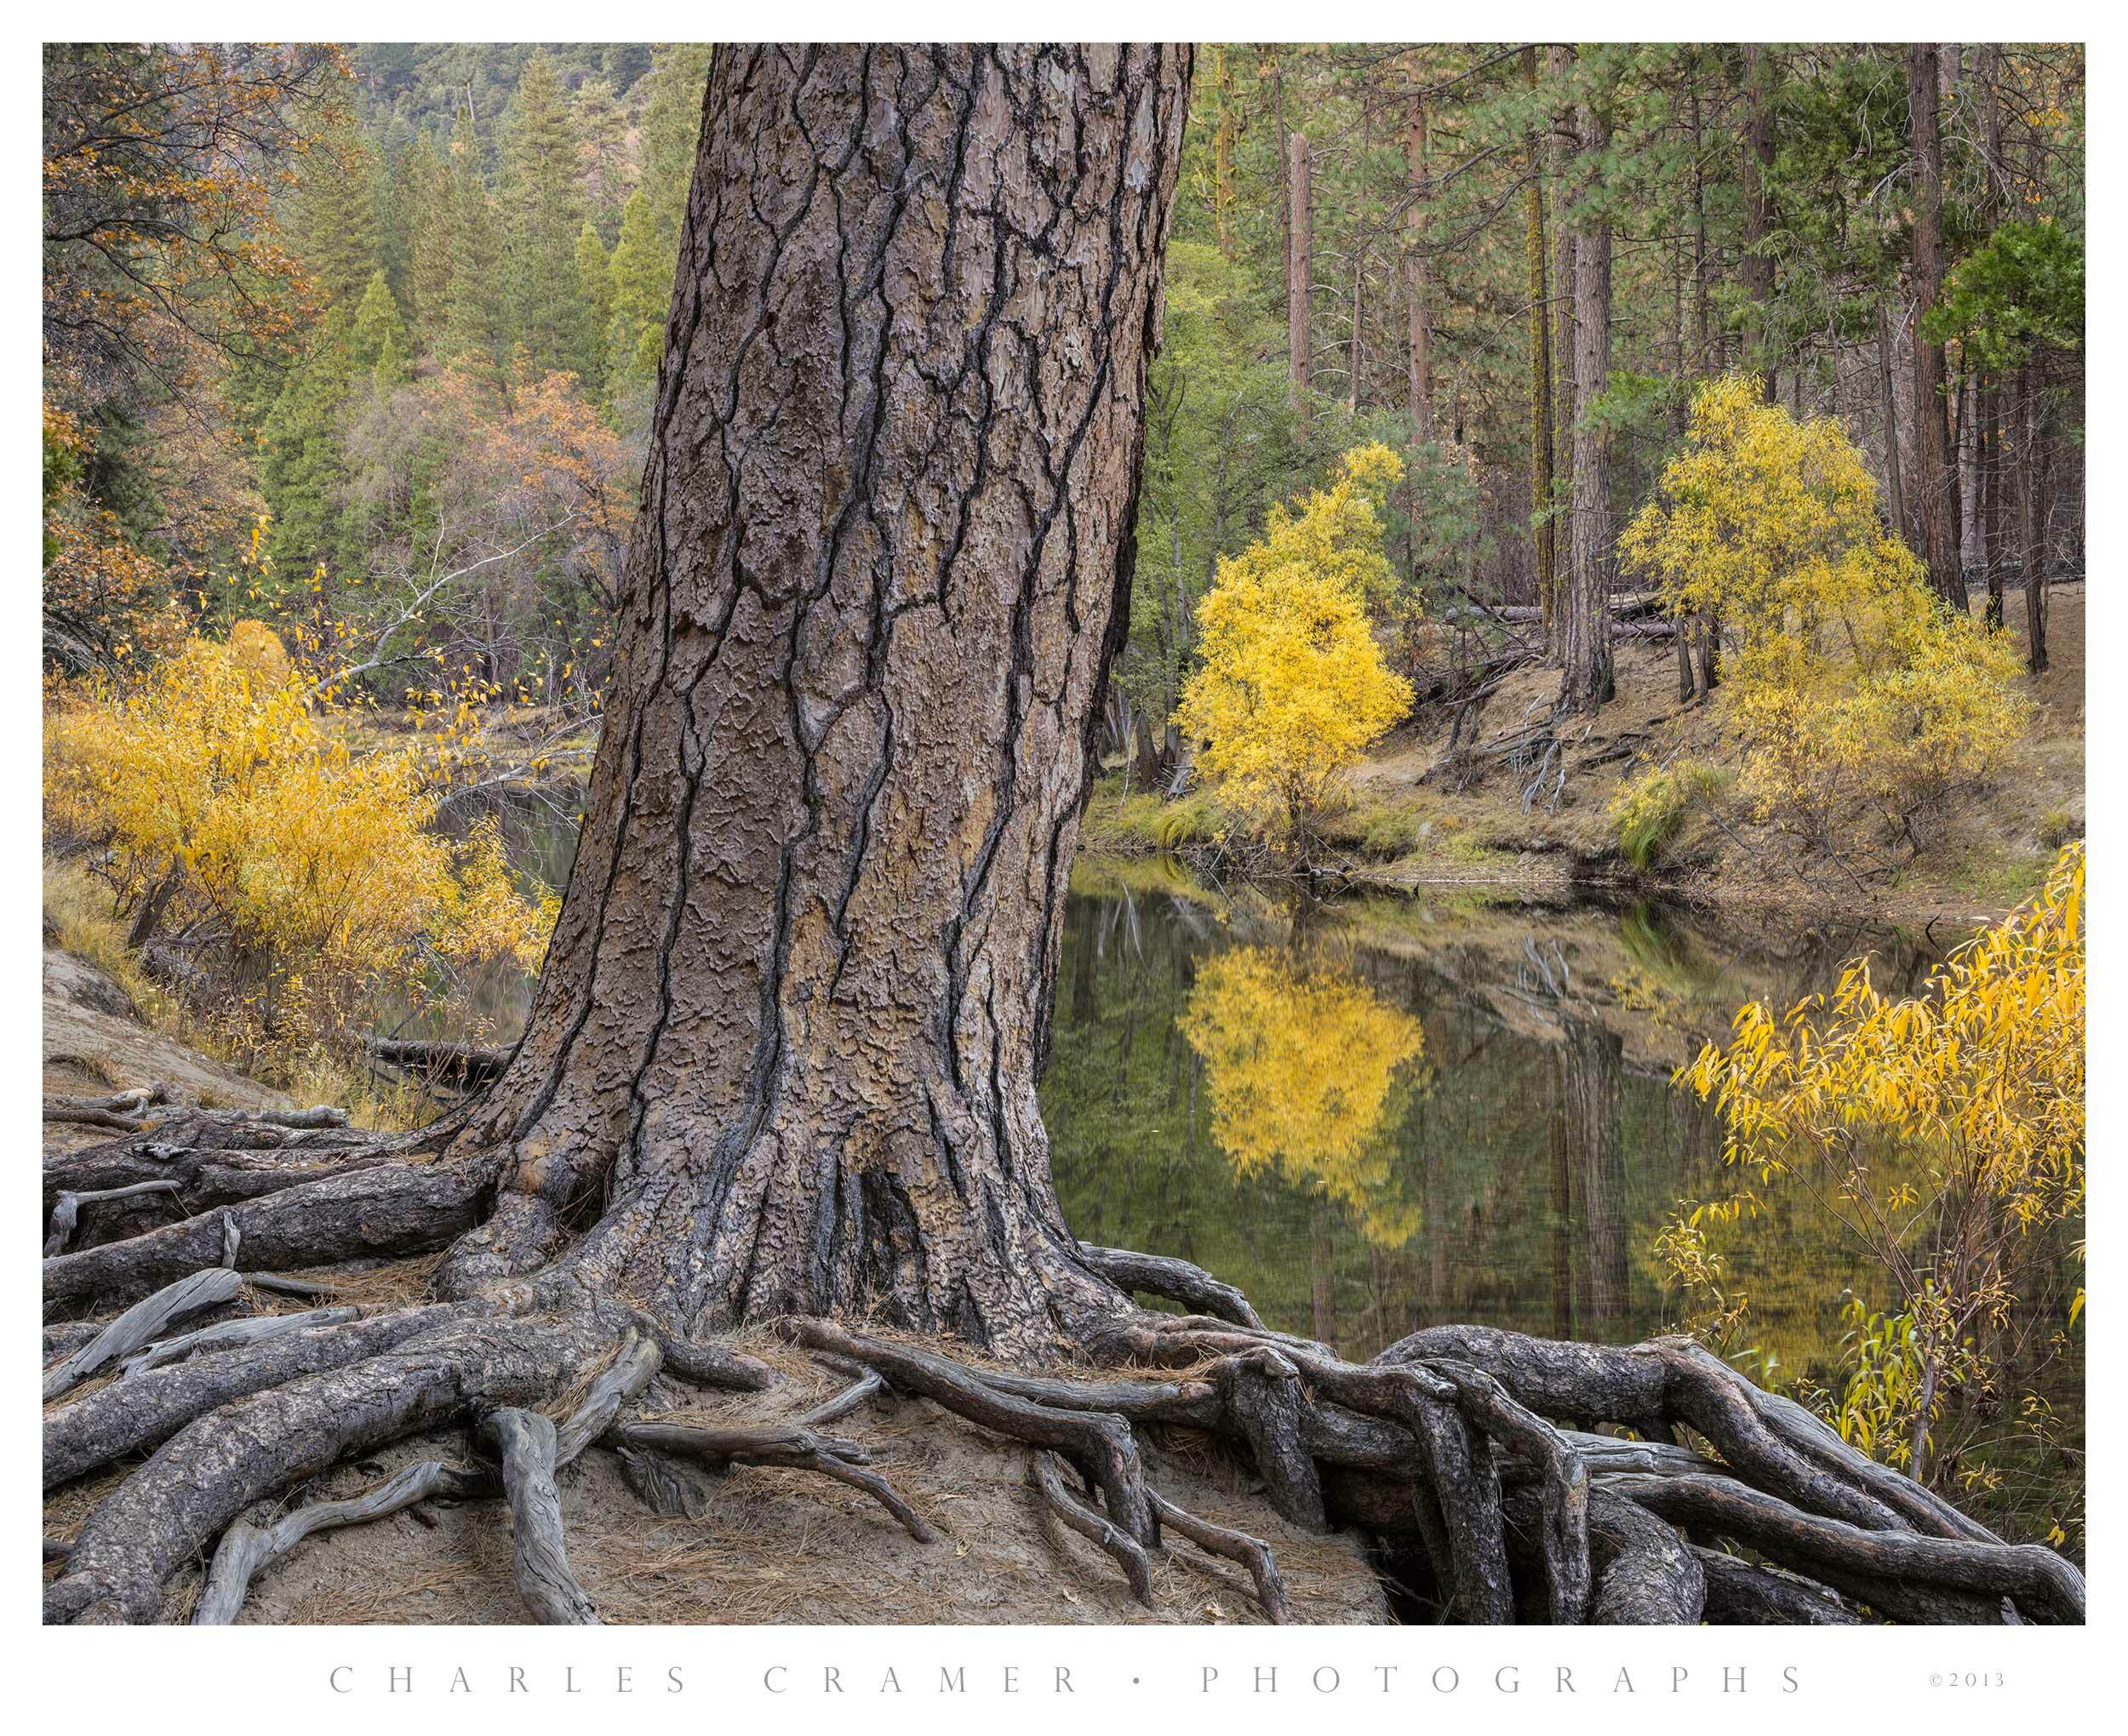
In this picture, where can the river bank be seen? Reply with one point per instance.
(1421, 816)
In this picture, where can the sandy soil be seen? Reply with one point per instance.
(772, 1545)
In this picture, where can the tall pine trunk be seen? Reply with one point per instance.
(1756, 268)
(1584, 617)
(1422, 382)
(782, 1058)
(1298, 269)
(1933, 486)
(2032, 513)
(1543, 533)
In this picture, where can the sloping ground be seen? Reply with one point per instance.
(1411, 825)
(95, 1042)
(781, 1546)
(772, 1547)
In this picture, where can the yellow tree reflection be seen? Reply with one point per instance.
(1309, 1072)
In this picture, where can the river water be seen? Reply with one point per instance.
(1457, 1105)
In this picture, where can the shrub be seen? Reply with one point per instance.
(226, 805)
(1650, 808)
(2060, 827)
(1854, 690)
(1946, 1133)
(1293, 687)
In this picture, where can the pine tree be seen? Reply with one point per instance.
(476, 334)
(334, 222)
(594, 293)
(302, 473)
(542, 215)
(606, 170)
(390, 371)
(395, 198)
(672, 121)
(642, 275)
(431, 240)
(377, 324)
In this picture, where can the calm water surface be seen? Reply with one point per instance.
(1397, 1111)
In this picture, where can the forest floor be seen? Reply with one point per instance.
(1410, 825)
(771, 1547)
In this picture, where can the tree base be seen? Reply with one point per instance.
(1502, 1468)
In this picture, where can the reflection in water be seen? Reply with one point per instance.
(1467, 1116)
(1307, 1070)
(1463, 1114)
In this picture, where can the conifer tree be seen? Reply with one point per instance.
(476, 336)
(594, 294)
(334, 222)
(642, 277)
(430, 239)
(672, 119)
(377, 323)
(606, 172)
(541, 213)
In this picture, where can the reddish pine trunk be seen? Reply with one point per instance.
(783, 1055)
(1933, 486)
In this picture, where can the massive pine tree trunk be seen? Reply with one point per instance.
(1933, 486)
(1584, 618)
(785, 1047)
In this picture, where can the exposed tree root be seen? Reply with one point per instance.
(386, 1210)
(793, 1448)
(1252, 1553)
(539, 1547)
(140, 1323)
(1746, 1594)
(252, 1544)
(233, 1334)
(67, 1207)
(1127, 1552)
(1176, 1280)
(1479, 1446)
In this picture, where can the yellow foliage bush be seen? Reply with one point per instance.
(1946, 1130)
(1293, 687)
(1307, 1071)
(1853, 688)
(217, 790)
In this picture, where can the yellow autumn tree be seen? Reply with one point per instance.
(1293, 687)
(1943, 1131)
(1308, 1072)
(1854, 690)
(216, 791)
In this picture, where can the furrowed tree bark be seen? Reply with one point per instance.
(782, 1059)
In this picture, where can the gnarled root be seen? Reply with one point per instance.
(211, 1470)
(1480, 1444)
(792, 1447)
(537, 1545)
(1128, 1552)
